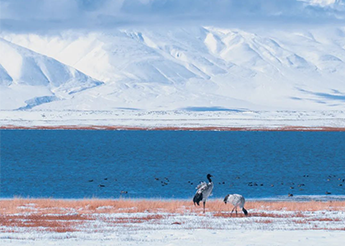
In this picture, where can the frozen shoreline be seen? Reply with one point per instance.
(131, 222)
(175, 120)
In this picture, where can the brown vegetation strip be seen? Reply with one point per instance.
(60, 215)
(99, 206)
(205, 128)
(135, 220)
(261, 215)
(59, 223)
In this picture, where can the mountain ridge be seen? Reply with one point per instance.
(44, 79)
(181, 68)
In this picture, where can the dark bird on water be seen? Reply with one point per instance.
(237, 201)
(101, 185)
(203, 192)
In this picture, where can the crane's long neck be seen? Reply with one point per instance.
(209, 179)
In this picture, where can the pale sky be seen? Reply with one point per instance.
(50, 15)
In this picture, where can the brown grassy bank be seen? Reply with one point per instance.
(206, 128)
(92, 206)
(58, 215)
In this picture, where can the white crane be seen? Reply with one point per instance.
(203, 191)
(236, 200)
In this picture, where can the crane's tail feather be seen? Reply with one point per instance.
(197, 198)
(226, 198)
(245, 211)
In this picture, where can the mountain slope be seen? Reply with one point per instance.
(204, 67)
(28, 79)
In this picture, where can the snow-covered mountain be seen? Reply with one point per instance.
(28, 79)
(176, 68)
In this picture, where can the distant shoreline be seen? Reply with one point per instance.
(174, 128)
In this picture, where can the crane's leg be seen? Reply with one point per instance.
(232, 211)
(204, 203)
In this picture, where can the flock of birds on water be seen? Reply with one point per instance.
(204, 190)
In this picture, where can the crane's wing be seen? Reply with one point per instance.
(198, 195)
(201, 187)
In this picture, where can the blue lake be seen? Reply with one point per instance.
(169, 164)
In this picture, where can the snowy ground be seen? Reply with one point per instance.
(179, 237)
(261, 227)
(186, 119)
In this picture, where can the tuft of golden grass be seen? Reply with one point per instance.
(264, 221)
(300, 221)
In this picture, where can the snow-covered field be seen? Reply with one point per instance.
(177, 236)
(35, 222)
(172, 119)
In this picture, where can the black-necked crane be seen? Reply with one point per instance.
(236, 200)
(203, 191)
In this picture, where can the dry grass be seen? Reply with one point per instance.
(300, 221)
(59, 223)
(125, 220)
(72, 215)
(297, 206)
(92, 206)
(264, 221)
(196, 128)
(325, 219)
(260, 214)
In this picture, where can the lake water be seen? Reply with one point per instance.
(169, 164)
